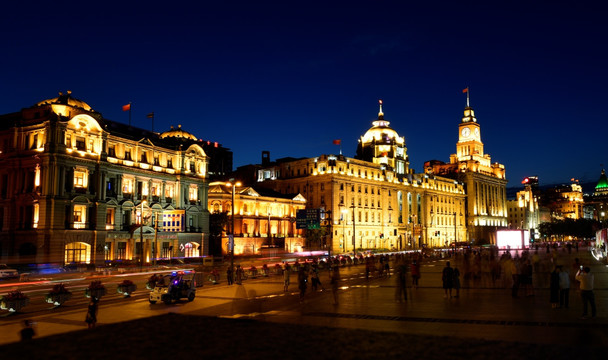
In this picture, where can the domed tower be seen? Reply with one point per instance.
(382, 145)
(177, 133)
(602, 185)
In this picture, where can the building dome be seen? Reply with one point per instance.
(177, 133)
(602, 184)
(66, 99)
(381, 131)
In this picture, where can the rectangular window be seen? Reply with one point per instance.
(80, 143)
(110, 218)
(193, 193)
(80, 179)
(112, 151)
(80, 213)
(128, 154)
(127, 186)
(68, 141)
(36, 215)
(169, 191)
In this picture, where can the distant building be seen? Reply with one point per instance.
(485, 182)
(79, 188)
(523, 212)
(565, 201)
(597, 203)
(376, 203)
(263, 220)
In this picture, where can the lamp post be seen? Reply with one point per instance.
(231, 243)
(354, 236)
(141, 236)
(344, 212)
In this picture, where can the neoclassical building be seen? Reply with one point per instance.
(263, 219)
(485, 182)
(79, 188)
(374, 201)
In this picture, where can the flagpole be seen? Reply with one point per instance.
(129, 113)
(468, 92)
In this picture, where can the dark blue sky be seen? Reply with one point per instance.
(291, 76)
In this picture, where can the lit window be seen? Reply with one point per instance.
(193, 191)
(80, 178)
(169, 191)
(36, 215)
(127, 186)
(80, 212)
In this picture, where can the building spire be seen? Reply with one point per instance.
(380, 113)
(466, 90)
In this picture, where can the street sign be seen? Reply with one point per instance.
(308, 219)
(230, 242)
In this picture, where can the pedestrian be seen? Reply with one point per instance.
(401, 290)
(286, 275)
(335, 280)
(526, 278)
(229, 276)
(564, 288)
(27, 333)
(554, 288)
(302, 280)
(456, 282)
(239, 275)
(585, 278)
(415, 273)
(447, 277)
(91, 318)
(315, 281)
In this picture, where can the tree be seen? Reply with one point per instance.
(218, 225)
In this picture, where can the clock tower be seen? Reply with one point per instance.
(469, 146)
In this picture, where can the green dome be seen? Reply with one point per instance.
(602, 184)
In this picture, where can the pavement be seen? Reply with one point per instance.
(482, 317)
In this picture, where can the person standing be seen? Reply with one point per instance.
(585, 278)
(564, 288)
(27, 333)
(447, 278)
(91, 318)
(239, 275)
(229, 276)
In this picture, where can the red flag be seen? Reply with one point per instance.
(466, 90)
(150, 115)
(337, 142)
(126, 107)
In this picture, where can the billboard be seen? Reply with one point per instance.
(513, 239)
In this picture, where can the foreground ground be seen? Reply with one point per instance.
(183, 336)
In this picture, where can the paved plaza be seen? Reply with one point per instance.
(481, 314)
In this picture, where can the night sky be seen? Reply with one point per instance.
(291, 76)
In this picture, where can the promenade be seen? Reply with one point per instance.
(485, 317)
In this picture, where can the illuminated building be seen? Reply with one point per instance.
(79, 188)
(598, 201)
(484, 181)
(264, 219)
(523, 212)
(565, 201)
(377, 203)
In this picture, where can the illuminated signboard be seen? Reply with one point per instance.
(514, 239)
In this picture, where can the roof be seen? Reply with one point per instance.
(66, 99)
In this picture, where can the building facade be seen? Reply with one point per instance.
(376, 202)
(264, 220)
(485, 182)
(523, 211)
(79, 188)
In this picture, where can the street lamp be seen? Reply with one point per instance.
(231, 242)
(141, 236)
(354, 238)
(344, 212)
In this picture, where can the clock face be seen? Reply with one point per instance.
(476, 132)
(465, 132)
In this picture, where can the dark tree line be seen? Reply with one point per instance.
(580, 228)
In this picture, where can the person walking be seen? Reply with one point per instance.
(401, 290)
(456, 281)
(286, 276)
(302, 280)
(564, 288)
(415, 273)
(585, 278)
(447, 277)
(239, 275)
(335, 279)
(91, 318)
(314, 278)
(554, 288)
